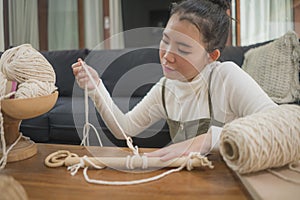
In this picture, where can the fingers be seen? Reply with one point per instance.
(177, 150)
(85, 78)
(166, 154)
(157, 153)
(169, 156)
(76, 67)
(79, 73)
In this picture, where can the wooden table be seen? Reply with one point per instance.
(41, 182)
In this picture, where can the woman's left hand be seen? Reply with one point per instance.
(201, 143)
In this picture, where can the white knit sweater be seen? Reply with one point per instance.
(234, 94)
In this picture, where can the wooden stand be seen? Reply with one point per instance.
(25, 148)
(14, 111)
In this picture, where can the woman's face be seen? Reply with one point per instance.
(181, 53)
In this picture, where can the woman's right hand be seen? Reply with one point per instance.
(82, 77)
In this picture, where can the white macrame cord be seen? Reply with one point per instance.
(74, 169)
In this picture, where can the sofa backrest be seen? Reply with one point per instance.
(127, 72)
(61, 62)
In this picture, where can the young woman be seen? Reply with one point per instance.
(197, 94)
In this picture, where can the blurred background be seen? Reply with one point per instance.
(78, 24)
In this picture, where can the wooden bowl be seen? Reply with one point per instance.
(29, 107)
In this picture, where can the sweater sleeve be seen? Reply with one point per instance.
(143, 115)
(215, 138)
(236, 94)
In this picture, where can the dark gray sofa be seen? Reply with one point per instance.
(128, 75)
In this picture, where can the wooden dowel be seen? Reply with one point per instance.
(136, 162)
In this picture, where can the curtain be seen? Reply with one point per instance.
(93, 20)
(264, 20)
(116, 24)
(23, 22)
(62, 25)
(1, 27)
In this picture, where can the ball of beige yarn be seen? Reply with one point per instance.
(33, 88)
(11, 189)
(3, 82)
(30, 69)
(23, 62)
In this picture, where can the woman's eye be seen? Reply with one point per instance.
(165, 41)
(183, 52)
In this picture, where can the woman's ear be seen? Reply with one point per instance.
(214, 55)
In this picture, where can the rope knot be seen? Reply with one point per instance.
(74, 168)
(201, 158)
(134, 149)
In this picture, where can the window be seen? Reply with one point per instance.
(73, 24)
(259, 21)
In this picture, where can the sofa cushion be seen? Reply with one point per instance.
(236, 53)
(67, 118)
(61, 121)
(275, 67)
(36, 128)
(61, 61)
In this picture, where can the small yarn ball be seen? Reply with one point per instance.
(10, 189)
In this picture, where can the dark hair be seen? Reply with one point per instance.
(210, 17)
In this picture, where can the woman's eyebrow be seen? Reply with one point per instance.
(184, 44)
(179, 43)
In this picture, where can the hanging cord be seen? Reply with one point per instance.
(128, 139)
(88, 125)
(5, 151)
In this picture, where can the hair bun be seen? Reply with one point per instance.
(225, 4)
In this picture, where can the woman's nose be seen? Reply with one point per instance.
(169, 56)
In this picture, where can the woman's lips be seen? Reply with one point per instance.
(168, 68)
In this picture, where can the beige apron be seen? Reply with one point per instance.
(181, 131)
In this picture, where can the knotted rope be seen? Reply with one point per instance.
(74, 163)
(87, 124)
(263, 140)
(84, 162)
(187, 163)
